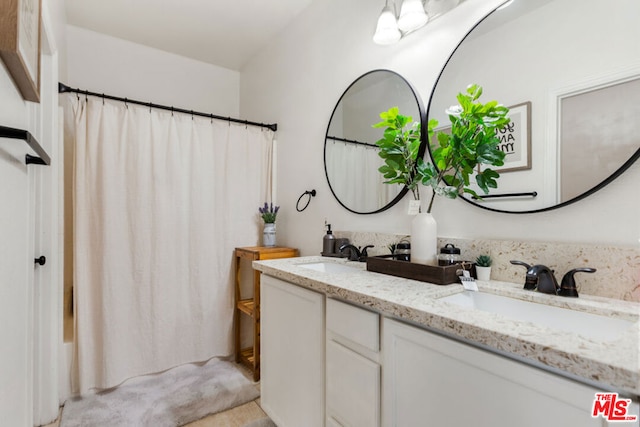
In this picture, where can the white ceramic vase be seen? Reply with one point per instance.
(483, 273)
(269, 234)
(424, 239)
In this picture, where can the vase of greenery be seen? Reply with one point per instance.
(456, 156)
(483, 267)
(399, 148)
(268, 213)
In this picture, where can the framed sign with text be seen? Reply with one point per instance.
(515, 139)
(20, 28)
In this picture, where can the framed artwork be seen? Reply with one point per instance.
(515, 139)
(20, 28)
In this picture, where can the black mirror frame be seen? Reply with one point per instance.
(421, 151)
(584, 195)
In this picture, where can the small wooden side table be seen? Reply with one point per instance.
(251, 306)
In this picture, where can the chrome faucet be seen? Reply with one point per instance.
(356, 254)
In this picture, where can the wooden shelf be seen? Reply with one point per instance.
(251, 306)
(246, 306)
(246, 356)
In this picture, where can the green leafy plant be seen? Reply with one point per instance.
(399, 148)
(484, 261)
(456, 156)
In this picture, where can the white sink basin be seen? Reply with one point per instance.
(329, 267)
(588, 325)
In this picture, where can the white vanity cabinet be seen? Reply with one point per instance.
(432, 380)
(352, 366)
(292, 347)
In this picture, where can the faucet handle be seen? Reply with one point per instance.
(568, 286)
(363, 252)
(516, 262)
(529, 283)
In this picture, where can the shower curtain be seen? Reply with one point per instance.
(355, 176)
(160, 202)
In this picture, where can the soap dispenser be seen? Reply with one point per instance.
(328, 242)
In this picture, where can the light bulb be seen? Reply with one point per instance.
(412, 15)
(387, 29)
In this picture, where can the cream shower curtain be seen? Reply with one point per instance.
(355, 176)
(160, 202)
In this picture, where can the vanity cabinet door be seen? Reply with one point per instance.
(432, 380)
(353, 368)
(292, 359)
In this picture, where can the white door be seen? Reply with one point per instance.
(28, 295)
(47, 290)
(16, 287)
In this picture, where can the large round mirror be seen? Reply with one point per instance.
(351, 158)
(570, 71)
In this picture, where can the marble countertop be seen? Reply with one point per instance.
(613, 363)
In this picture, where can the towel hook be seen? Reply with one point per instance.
(311, 194)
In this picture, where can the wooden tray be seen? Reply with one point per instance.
(440, 275)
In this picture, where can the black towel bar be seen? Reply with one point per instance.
(13, 133)
(495, 196)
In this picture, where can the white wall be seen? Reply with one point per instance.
(299, 78)
(105, 64)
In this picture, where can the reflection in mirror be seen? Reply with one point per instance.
(350, 154)
(580, 74)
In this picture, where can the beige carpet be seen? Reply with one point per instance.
(172, 398)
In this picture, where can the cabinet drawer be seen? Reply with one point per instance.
(355, 324)
(353, 388)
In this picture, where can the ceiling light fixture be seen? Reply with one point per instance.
(387, 31)
(412, 16)
(392, 28)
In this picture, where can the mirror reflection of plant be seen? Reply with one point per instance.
(472, 142)
(399, 149)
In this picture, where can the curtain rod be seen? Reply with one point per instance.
(62, 88)
(352, 141)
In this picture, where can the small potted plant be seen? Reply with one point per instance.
(268, 213)
(483, 267)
